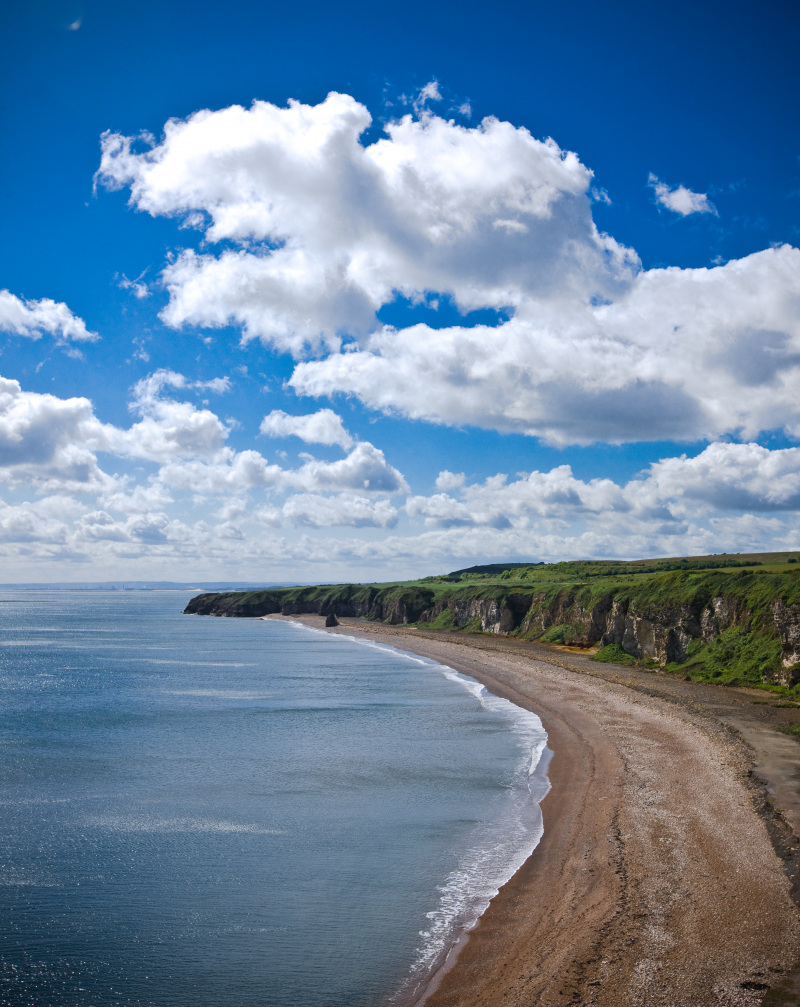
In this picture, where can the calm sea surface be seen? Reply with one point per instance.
(200, 812)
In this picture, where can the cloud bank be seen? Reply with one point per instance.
(190, 501)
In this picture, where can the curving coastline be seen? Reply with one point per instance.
(656, 882)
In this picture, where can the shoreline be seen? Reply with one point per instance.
(655, 882)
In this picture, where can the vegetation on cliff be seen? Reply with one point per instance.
(727, 619)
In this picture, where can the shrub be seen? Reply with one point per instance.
(556, 634)
(614, 654)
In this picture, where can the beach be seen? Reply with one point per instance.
(664, 876)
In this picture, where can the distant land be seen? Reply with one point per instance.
(730, 619)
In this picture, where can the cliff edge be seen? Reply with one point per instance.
(735, 620)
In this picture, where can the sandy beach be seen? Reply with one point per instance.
(664, 877)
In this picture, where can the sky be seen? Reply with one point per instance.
(356, 292)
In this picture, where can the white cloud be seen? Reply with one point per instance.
(730, 497)
(732, 477)
(168, 428)
(99, 526)
(365, 469)
(440, 510)
(684, 354)
(48, 441)
(139, 289)
(141, 499)
(428, 93)
(322, 427)
(227, 471)
(329, 230)
(724, 480)
(322, 231)
(447, 480)
(556, 495)
(29, 525)
(342, 510)
(34, 318)
(680, 199)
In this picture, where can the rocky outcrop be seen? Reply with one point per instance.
(662, 635)
(720, 614)
(499, 616)
(787, 622)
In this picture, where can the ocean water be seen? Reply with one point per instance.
(199, 811)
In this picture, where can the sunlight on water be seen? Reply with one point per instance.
(219, 811)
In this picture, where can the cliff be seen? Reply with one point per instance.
(735, 621)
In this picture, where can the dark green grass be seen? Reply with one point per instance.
(736, 657)
(614, 654)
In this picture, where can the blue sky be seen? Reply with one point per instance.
(366, 293)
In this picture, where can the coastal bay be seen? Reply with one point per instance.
(665, 875)
(212, 812)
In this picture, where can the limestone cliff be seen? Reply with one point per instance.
(711, 622)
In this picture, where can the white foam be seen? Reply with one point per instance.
(498, 848)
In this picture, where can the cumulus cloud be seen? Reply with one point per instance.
(30, 525)
(724, 479)
(683, 354)
(168, 428)
(447, 480)
(226, 471)
(680, 199)
(85, 515)
(342, 510)
(49, 441)
(53, 444)
(329, 230)
(728, 477)
(308, 233)
(34, 318)
(364, 469)
(498, 503)
(322, 427)
(212, 507)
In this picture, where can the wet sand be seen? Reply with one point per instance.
(664, 877)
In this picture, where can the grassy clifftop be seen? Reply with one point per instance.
(733, 619)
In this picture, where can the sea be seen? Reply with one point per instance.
(208, 812)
